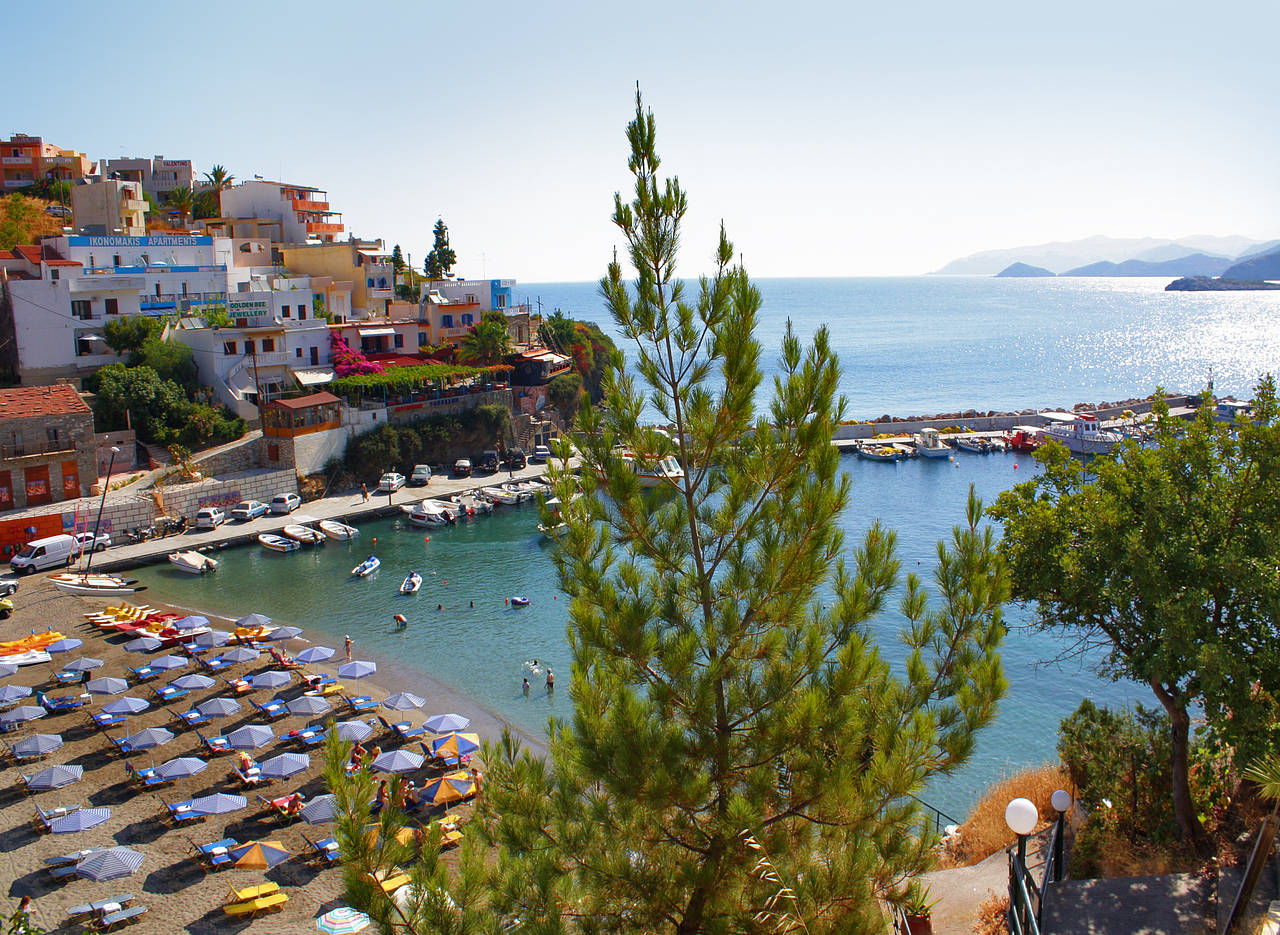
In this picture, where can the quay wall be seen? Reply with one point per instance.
(226, 491)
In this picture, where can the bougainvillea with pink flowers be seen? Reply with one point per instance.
(348, 362)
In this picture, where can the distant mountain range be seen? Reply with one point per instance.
(1070, 257)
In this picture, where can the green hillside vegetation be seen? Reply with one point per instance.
(23, 221)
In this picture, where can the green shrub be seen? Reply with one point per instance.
(433, 440)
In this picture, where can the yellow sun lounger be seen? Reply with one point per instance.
(392, 880)
(253, 892)
(252, 907)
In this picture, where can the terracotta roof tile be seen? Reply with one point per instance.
(23, 402)
(63, 263)
(28, 252)
(303, 402)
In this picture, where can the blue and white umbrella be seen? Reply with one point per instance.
(193, 622)
(218, 707)
(193, 682)
(241, 654)
(285, 765)
(65, 645)
(320, 809)
(55, 777)
(220, 803)
(284, 633)
(181, 767)
(359, 669)
(149, 738)
(254, 620)
(107, 686)
(37, 745)
(213, 638)
(272, 679)
(308, 705)
(110, 864)
(11, 693)
(7, 669)
(403, 701)
(315, 654)
(82, 819)
(21, 714)
(398, 761)
(353, 730)
(444, 723)
(126, 705)
(250, 738)
(143, 644)
(83, 664)
(165, 663)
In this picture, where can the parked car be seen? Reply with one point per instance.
(87, 541)
(210, 517)
(285, 503)
(541, 453)
(516, 460)
(8, 587)
(421, 475)
(390, 481)
(246, 510)
(462, 467)
(488, 461)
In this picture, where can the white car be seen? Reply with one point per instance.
(421, 475)
(249, 509)
(210, 517)
(285, 503)
(390, 481)
(540, 454)
(89, 543)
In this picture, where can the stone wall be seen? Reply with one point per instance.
(226, 491)
(243, 454)
(127, 459)
(446, 405)
(308, 453)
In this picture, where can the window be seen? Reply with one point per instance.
(81, 309)
(446, 321)
(184, 288)
(115, 260)
(382, 282)
(111, 306)
(53, 274)
(302, 312)
(399, 340)
(467, 319)
(248, 347)
(297, 352)
(422, 339)
(284, 311)
(228, 347)
(500, 301)
(315, 355)
(369, 283)
(51, 434)
(268, 345)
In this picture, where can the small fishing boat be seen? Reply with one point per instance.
(519, 602)
(304, 534)
(1024, 438)
(192, 562)
(367, 567)
(929, 445)
(279, 543)
(1081, 433)
(977, 446)
(502, 495)
(95, 585)
(879, 452)
(557, 527)
(336, 530)
(430, 513)
(411, 584)
(667, 472)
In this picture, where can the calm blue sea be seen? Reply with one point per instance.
(917, 345)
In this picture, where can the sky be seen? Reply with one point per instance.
(832, 138)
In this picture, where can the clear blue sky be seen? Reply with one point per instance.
(833, 138)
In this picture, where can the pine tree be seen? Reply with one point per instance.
(727, 697)
(397, 259)
(440, 261)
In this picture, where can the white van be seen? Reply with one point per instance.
(50, 552)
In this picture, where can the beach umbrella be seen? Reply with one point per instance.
(271, 679)
(451, 788)
(241, 654)
(11, 693)
(55, 777)
(21, 714)
(357, 670)
(308, 704)
(284, 633)
(180, 767)
(315, 654)
(342, 921)
(126, 705)
(107, 686)
(250, 738)
(285, 765)
(320, 809)
(443, 723)
(403, 701)
(259, 855)
(218, 707)
(7, 669)
(82, 819)
(455, 744)
(165, 663)
(194, 622)
(143, 644)
(149, 738)
(220, 803)
(193, 682)
(37, 745)
(83, 664)
(398, 761)
(213, 638)
(109, 864)
(249, 621)
(64, 645)
(353, 730)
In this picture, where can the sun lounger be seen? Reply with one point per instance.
(71, 678)
(390, 880)
(273, 709)
(325, 851)
(239, 686)
(192, 718)
(110, 920)
(403, 729)
(146, 777)
(252, 907)
(216, 855)
(104, 721)
(360, 703)
(59, 704)
(144, 673)
(323, 691)
(214, 745)
(90, 908)
(168, 693)
(251, 779)
(315, 680)
(73, 857)
(44, 820)
(253, 892)
(181, 813)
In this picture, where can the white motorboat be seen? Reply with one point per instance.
(502, 495)
(304, 534)
(94, 584)
(430, 513)
(336, 530)
(667, 472)
(929, 445)
(554, 531)
(192, 562)
(367, 567)
(279, 543)
(977, 446)
(411, 584)
(468, 507)
(1080, 433)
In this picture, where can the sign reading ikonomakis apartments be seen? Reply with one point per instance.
(159, 240)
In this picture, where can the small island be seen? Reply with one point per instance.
(1024, 269)
(1209, 284)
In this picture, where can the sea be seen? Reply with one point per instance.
(914, 345)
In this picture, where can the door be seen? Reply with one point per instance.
(315, 355)
(38, 492)
(6, 490)
(70, 480)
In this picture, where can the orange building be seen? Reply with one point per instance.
(25, 160)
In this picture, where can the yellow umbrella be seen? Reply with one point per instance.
(453, 787)
(259, 855)
(455, 745)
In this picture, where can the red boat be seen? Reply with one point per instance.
(1024, 438)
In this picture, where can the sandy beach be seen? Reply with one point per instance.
(178, 891)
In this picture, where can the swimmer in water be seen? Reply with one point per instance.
(526, 685)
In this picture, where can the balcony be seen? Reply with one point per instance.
(267, 359)
(33, 448)
(133, 204)
(319, 227)
(18, 183)
(62, 161)
(108, 284)
(300, 204)
(15, 160)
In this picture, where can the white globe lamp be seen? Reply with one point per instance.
(1021, 816)
(1061, 800)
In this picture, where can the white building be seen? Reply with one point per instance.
(303, 211)
(158, 176)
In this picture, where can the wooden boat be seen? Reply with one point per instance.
(878, 452)
(278, 543)
(1024, 438)
(977, 446)
(192, 562)
(95, 585)
(367, 567)
(502, 495)
(304, 534)
(411, 584)
(929, 445)
(336, 530)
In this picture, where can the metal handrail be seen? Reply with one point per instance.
(1022, 921)
(939, 816)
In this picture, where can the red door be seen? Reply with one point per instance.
(70, 480)
(6, 491)
(38, 491)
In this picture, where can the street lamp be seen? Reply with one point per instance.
(1061, 802)
(101, 503)
(1021, 817)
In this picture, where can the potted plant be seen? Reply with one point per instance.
(918, 908)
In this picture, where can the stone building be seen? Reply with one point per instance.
(47, 446)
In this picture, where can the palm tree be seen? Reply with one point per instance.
(488, 342)
(181, 200)
(216, 181)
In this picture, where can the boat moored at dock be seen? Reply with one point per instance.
(95, 585)
(1081, 433)
(278, 543)
(928, 445)
(336, 530)
(304, 534)
(192, 562)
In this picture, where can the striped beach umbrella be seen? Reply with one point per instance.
(21, 714)
(65, 645)
(403, 701)
(143, 644)
(54, 777)
(353, 730)
(271, 679)
(83, 664)
(284, 633)
(107, 686)
(241, 654)
(285, 765)
(342, 921)
(220, 803)
(37, 745)
(193, 622)
(11, 693)
(308, 705)
(250, 738)
(194, 682)
(443, 723)
(455, 745)
(359, 669)
(259, 855)
(181, 767)
(109, 864)
(213, 638)
(126, 705)
(398, 761)
(447, 789)
(7, 669)
(218, 707)
(149, 738)
(249, 621)
(166, 663)
(320, 809)
(315, 654)
(82, 819)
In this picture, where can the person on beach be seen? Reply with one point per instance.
(357, 755)
(380, 800)
(349, 644)
(410, 795)
(293, 805)
(372, 754)
(475, 780)
(364, 492)
(551, 680)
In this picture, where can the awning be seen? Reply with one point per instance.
(241, 383)
(313, 377)
(376, 332)
(93, 337)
